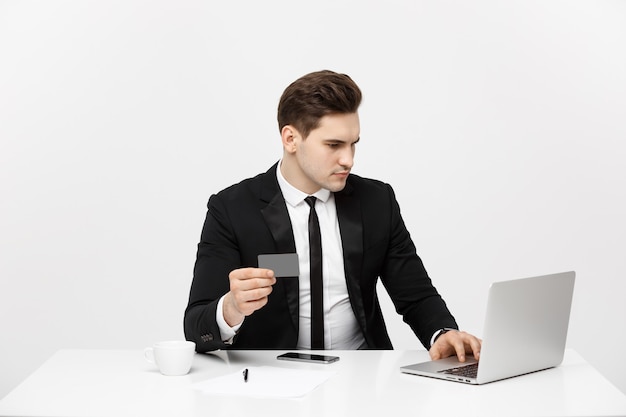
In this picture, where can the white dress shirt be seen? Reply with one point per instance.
(341, 330)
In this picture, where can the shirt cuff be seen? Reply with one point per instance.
(226, 332)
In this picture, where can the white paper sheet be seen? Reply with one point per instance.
(266, 382)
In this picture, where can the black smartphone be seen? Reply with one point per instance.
(307, 357)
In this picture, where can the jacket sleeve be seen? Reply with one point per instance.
(408, 284)
(217, 255)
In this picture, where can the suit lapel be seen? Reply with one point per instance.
(279, 223)
(351, 229)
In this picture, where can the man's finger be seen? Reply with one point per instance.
(475, 345)
(459, 348)
(249, 273)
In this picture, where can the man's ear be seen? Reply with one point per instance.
(289, 135)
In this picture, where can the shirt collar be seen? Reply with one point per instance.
(292, 195)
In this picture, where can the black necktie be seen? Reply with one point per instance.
(317, 294)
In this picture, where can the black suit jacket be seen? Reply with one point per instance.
(251, 218)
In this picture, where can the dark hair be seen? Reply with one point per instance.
(314, 96)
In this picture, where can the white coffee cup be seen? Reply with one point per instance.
(171, 357)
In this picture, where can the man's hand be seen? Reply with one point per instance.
(249, 289)
(456, 343)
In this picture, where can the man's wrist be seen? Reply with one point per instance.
(227, 332)
(229, 311)
(439, 333)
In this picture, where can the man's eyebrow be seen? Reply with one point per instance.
(341, 140)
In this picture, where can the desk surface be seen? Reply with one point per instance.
(121, 383)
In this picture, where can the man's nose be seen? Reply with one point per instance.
(347, 158)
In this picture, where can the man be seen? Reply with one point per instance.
(234, 304)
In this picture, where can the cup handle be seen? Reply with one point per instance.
(148, 354)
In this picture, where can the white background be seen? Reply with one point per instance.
(501, 126)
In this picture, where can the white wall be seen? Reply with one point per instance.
(500, 125)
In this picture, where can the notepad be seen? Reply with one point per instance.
(266, 382)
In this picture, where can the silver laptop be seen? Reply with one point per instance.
(525, 331)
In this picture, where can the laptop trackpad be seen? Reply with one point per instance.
(438, 365)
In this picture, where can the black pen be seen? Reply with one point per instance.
(245, 375)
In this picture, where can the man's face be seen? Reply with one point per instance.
(326, 156)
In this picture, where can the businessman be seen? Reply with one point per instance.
(346, 230)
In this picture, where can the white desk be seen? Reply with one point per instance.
(121, 383)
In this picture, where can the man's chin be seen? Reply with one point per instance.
(336, 186)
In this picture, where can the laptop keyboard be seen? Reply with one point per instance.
(468, 371)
